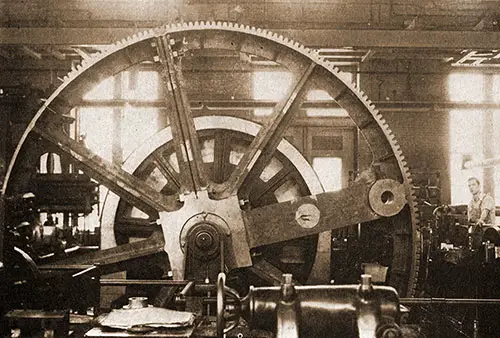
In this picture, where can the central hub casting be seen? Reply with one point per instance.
(200, 225)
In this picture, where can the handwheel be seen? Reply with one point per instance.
(221, 305)
(221, 320)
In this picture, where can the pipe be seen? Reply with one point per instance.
(449, 301)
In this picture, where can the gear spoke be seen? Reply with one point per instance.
(221, 157)
(139, 227)
(109, 259)
(267, 272)
(265, 143)
(186, 142)
(125, 185)
(166, 169)
(359, 203)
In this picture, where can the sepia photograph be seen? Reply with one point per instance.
(249, 169)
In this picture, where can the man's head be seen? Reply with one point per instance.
(474, 185)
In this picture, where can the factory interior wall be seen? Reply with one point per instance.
(423, 135)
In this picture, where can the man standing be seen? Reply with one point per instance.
(481, 208)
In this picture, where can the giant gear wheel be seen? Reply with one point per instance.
(380, 199)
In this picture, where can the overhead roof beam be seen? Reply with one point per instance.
(57, 54)
(30, 52)
(360, 38)
(83, 54)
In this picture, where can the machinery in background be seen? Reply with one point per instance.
(72, 197)
(461, 262)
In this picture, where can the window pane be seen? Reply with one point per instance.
(271, 170)
(141, 85)
(138, 124)
(97, 138)
(329, 171)
(288, 191)
(466, 87)
(465, 140)
(56, 163)
(271, 86)
(207, 151)
(321, 95)
(496, 88)
(262, 111)
(103, 91)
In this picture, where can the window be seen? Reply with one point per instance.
(466, 131)
(136, 123)
(464, 143)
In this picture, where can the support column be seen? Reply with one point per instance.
(117, 123)
(4, 121)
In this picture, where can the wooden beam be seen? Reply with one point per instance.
(57, 54)
(367, 38)
(30, 52)
(82, 53)
(47, 64)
